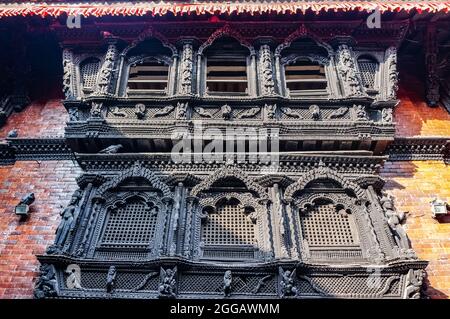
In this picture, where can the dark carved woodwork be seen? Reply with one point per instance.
(431, 63)
(144, 226)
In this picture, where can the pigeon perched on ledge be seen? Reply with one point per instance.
(112, 149)
(28, 199)
(13, 133)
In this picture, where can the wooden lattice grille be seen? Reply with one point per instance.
(228, 226)
(368, 70)
(89, 70)
(132, 226)
(324, 226)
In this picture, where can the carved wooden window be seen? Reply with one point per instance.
(368, 69)
(226, 67)
(132, 226)
(230, 225)
(89, 71)
(325, 226)
(305, 76)
(148, 76)
(330, 232)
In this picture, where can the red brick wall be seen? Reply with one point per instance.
(43, 118)
(53, 183)
(414, 184)
(413, 117)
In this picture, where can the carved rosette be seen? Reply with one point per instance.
(187, 62)
(347, 72)
(266, 71)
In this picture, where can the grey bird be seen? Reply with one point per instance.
(28, 199)
(112, 149)
(13, 133)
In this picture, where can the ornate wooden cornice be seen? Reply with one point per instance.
(419, 149)
(128, 8)
(33, 149)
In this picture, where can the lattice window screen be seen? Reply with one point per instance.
(368, 69)
(228, 226)
(89, 70)
(324, 226)
(132, 226)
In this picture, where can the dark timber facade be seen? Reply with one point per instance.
(317, 223)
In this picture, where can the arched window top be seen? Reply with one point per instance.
(294, 47)
(149, 47)
(304, 46)
(323, 183)
(304, 64)
(226, 46)
(149, 63)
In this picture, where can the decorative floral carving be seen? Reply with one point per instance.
(340, 112)
(203, 113)
(136, 171)
(291, 113)
(325, 173)
(165, 111)
(226, 30)
(148, 33)
(106, 71)
(67, 73)
(391, 62)
(117, 112)
(229, 172)
(266, 69)
(186, 69)
(248, 113)
(347, 72)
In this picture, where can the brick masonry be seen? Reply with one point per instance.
(413, 184)
(40, 119)
(53, 183)
(414, 118)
